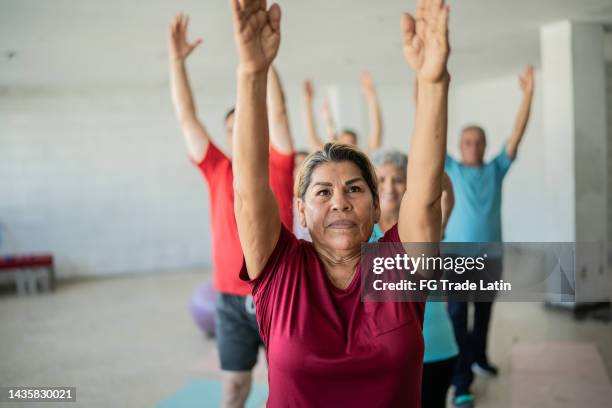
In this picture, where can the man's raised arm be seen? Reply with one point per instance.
(526, 84)
(196, 136)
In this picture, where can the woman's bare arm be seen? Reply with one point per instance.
(447, 201)
(257, 36)
(426, 50)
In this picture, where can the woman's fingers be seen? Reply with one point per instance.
(274, 16)
(442, 24)
(408, 28)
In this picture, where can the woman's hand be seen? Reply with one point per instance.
(257, 34)
(425, 40)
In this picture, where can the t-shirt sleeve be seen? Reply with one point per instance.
(281, 161)
(281, 182)
(449, 163)
(276, 279)
(502, 162)
(212, 161)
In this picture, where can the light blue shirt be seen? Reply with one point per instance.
(377, 234)
(476, 216)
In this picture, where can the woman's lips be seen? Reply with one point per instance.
(342, 224)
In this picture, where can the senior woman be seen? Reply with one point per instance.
(324, 346)
(440, 346)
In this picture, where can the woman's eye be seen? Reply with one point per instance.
(354, 189)
(323, 192)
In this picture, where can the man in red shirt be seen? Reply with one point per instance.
(238, 338)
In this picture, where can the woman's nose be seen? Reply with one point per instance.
(387, 186)
(340, 202)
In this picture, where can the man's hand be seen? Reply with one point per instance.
(257, 34)
(425, 40)
(526, 80)
(178, 46)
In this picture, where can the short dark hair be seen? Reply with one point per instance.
(334, 153)
(230, 113)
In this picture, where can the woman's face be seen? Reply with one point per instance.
(338, 207)
(391, 187)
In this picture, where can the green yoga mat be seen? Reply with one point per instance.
(207, 394)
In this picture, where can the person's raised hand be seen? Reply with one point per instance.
(178, 46)
(425, 40)
(526, 80)
(326, 109)
(308, 90)
(367, 84)
(257, 33)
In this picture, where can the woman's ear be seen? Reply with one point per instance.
(301, 213)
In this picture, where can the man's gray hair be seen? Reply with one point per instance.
(394, 157)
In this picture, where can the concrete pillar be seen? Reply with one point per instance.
(573, 75)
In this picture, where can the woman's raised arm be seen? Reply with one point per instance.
(426, 49)
(257, 36)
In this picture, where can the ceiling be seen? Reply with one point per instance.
(69, 43)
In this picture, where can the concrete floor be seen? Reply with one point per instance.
(130, 341)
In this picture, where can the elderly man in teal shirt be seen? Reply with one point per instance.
(477, 218)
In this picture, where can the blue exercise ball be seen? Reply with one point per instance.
(203, 308)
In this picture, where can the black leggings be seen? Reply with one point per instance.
(437, 378)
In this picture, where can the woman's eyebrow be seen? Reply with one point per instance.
(354, 180)
(346, 183)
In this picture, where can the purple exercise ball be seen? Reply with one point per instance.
(203, 308)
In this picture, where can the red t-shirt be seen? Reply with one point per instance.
(325, 347)
(227, 252)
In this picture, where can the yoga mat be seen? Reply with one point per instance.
(207, 394)
(559, 375)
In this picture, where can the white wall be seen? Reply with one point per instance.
(100, 178)
(493, 104)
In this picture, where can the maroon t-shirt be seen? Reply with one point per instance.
(326, 348)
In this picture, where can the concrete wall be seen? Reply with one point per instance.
(493, 104)
(100, 178)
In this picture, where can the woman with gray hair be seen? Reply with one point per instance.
(324, 346)
(391, 166)
(440, 346)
